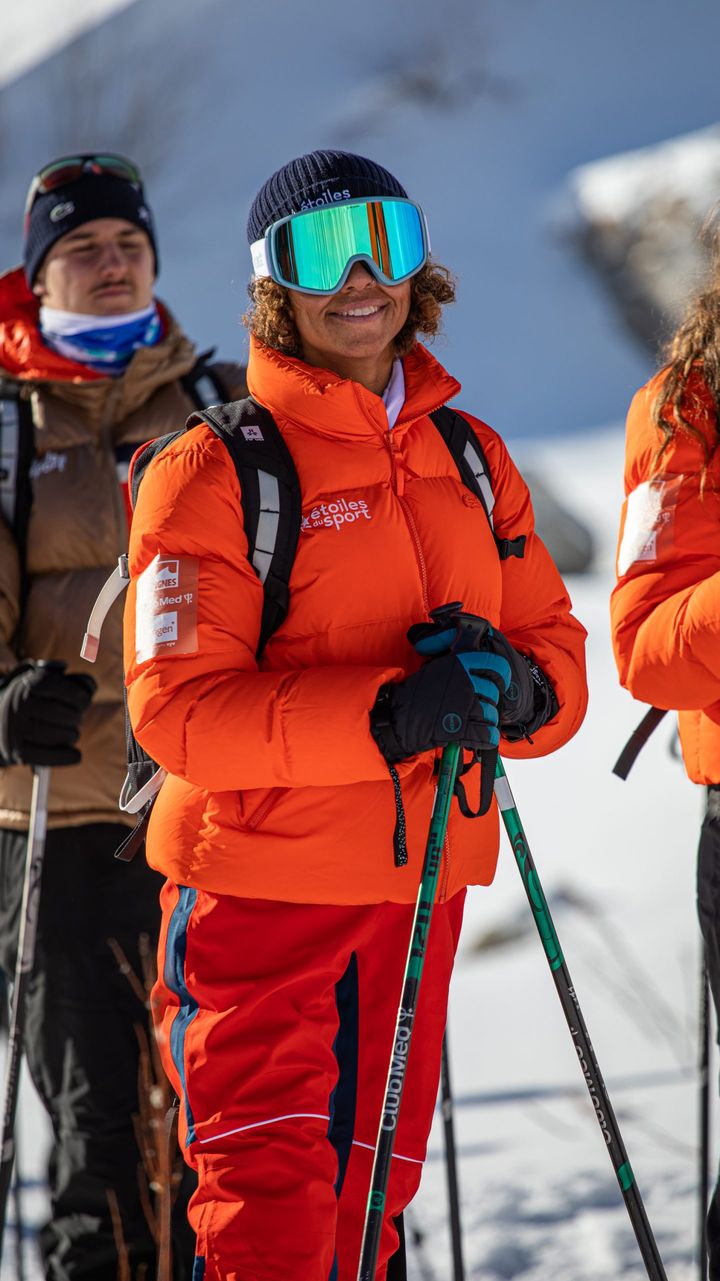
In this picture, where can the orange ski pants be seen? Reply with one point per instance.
(276, 1025)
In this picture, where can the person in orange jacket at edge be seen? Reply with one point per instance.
(664, 608)
(287, 910)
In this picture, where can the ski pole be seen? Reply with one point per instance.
(578, 1031)
(406, 1013)
(451, 1164)
(704, 1114)
(23, 971)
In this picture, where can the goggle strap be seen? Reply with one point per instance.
(260, 260)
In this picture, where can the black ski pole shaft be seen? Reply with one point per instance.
(19, 1220)
(703, 1115)
(23, 971)
(573, 1014)
(451, 1163)
(407, 1010)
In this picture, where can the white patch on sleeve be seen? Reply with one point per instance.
(166, 608)
(649, 520)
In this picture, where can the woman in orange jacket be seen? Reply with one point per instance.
(290, 891)
(666, 605)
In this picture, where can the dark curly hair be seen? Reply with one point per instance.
(270, 317)
(694, 349)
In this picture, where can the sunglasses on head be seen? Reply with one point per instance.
(69, 168)
(315, 251)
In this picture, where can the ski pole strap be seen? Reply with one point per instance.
(400, 850)
(127, 850)
(637, 741)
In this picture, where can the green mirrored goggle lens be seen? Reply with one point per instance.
(313, 250)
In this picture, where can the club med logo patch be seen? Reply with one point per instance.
(336, 514)
(166, 608)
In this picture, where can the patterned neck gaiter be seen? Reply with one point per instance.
(104, 343)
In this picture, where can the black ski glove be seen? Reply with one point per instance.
(40, 712)
(452, 699)
(529, 699)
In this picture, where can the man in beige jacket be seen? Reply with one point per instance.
(91, 366)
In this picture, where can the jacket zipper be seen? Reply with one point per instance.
(422, 568)
(263, 809)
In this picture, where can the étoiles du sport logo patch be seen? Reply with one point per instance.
(336, 514)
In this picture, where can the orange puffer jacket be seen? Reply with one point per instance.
(276, 788)
(665, 608)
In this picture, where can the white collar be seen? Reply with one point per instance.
(394, 393)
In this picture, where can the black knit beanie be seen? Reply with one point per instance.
(66, 208)
(320, 178)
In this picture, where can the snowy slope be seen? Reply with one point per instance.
(37, 29)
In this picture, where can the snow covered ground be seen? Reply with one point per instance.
(616, 861)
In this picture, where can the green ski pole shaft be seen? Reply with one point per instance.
(571, 1008)
(406, 1014)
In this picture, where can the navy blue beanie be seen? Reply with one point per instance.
(319, 178)
(66, 208)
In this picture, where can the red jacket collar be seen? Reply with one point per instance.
(23, 354)
(338, 406)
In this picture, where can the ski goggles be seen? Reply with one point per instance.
(315, 251)
(70, 168)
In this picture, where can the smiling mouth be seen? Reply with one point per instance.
(359, 313)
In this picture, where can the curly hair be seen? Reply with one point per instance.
(270, 316)
(693, 348)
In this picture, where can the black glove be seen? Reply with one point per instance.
(452, 699)
(40, 712)
(529, 699)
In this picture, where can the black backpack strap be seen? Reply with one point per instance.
(203, 385)
(271, 498)
(474, 472)
(272, 513)
(637, 741)
(17, 451)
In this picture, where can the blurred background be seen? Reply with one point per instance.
(500, 118)
(566, 155)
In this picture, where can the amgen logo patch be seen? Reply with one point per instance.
(165, 628)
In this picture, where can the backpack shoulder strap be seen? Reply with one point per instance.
(202, 384)
(17, 451)
(471, 463)
(271, 498)
(637, 741)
